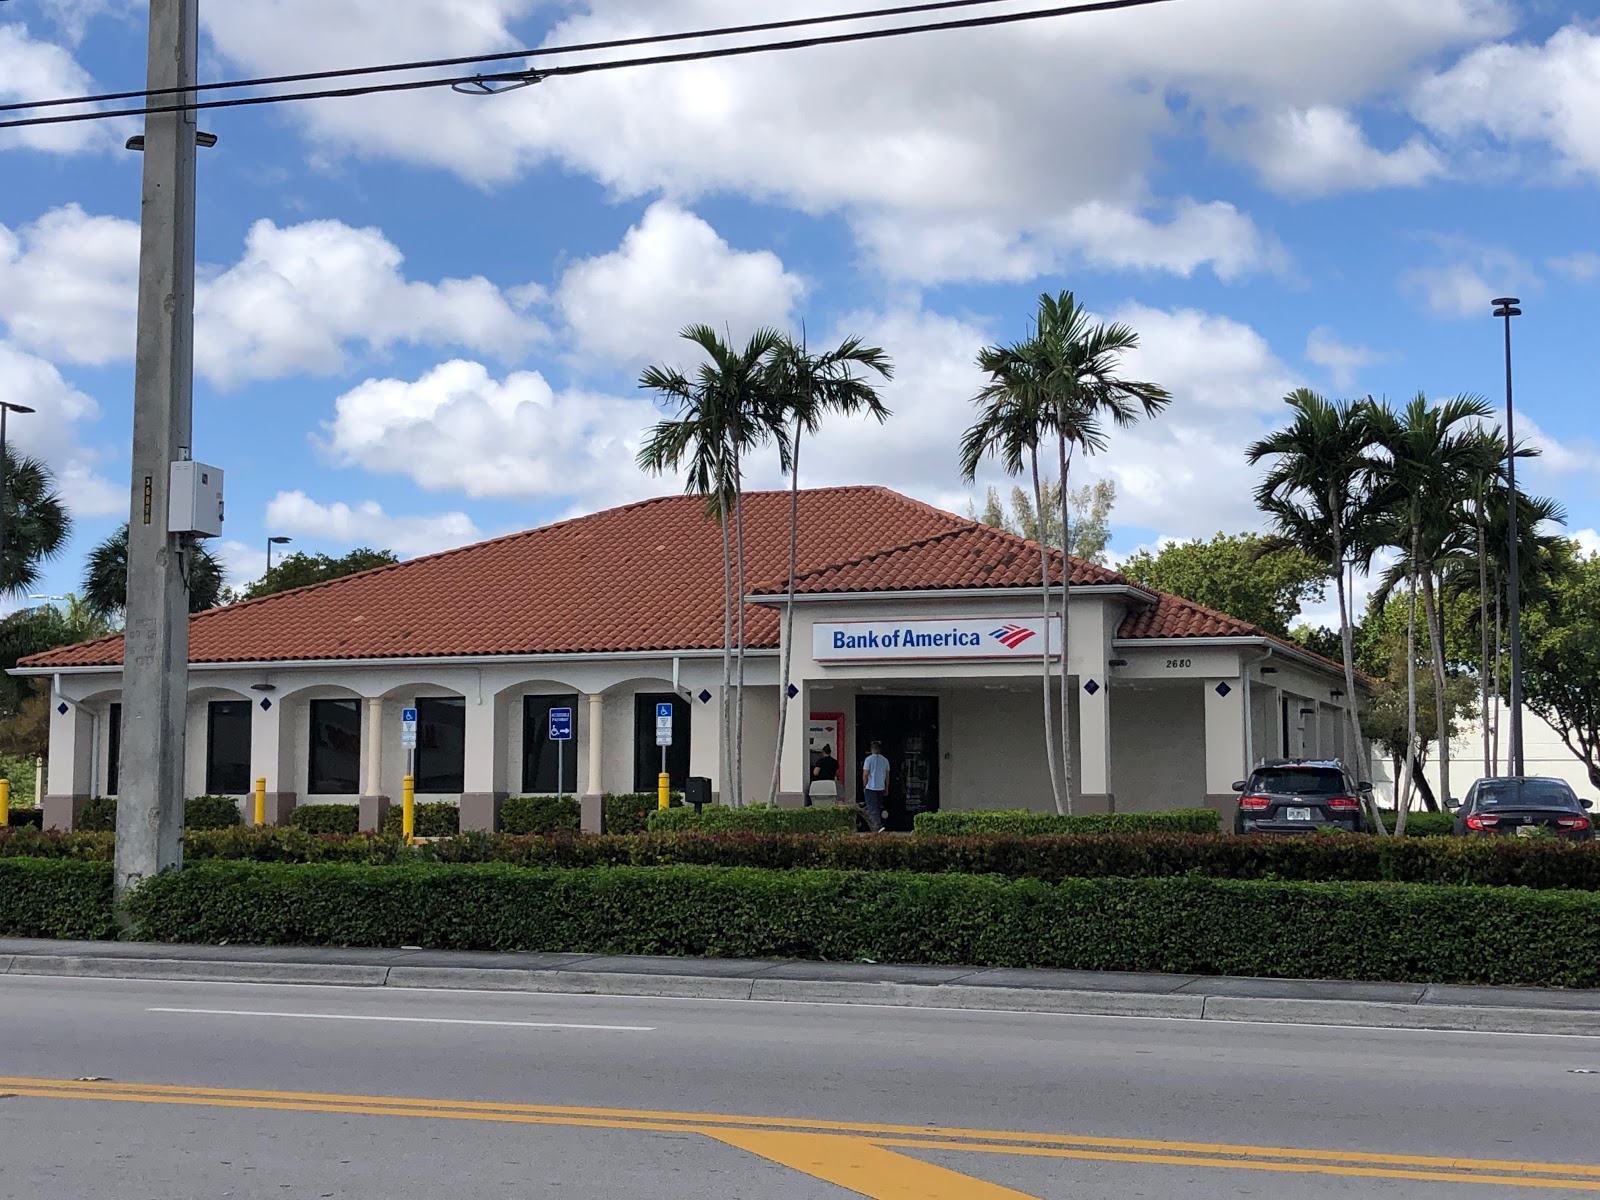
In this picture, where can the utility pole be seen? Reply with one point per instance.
(155, 669)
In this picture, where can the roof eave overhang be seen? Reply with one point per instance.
(1241, 642)
(450, 660)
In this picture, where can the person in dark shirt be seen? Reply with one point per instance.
(826, 768)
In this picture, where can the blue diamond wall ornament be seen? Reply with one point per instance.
(62, 708)
(1091, 687)
(266, 704)
(1223, 689)
(705, 696)
(793, 691)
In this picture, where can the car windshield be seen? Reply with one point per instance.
(1532, 793)
(1298, 781)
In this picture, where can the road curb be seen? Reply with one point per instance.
(1186, 1005)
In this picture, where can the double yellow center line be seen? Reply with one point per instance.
(856, 1155)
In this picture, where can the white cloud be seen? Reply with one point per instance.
(301, 299)
(459, 428)
(1512, 94)
(1000, 129)
(368, 524)
(53, 432)
(1319, 150)
(670, 270)
(1467, 277)
(1343, 362)
(1588, 540)
(31, 69)
(1580, 267)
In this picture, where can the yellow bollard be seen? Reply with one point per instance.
(408, 808)
(663, 790)
(261, 801)
(5, 803)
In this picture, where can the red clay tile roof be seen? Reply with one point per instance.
(644, 577)
(972, 556)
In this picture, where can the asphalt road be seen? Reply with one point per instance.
(373, 1094)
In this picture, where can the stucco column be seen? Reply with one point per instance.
(794, 770)
(374, 804)
(705, 737)
(481, 794)
(72, 752)
(266, 761)
(1093, 748)
(1225, 749)
(592, 802)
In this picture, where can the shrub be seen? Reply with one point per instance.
(211, 812)
(756, 818)
(1510, 936)
(98, 815)
(1423, 824)
(56, 899)
(436, 818)
(327, 818)
(290, 845)
(29, 842)
(629, 812)
(540, 814)
(1024, 823)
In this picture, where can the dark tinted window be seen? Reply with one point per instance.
(441, 744)
(541, 770)
(228, 748)
(1299, 781)
(1534, 793)
(335, 767)
(114, 749)
(646, 754)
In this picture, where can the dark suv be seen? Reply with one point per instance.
(1299, 796)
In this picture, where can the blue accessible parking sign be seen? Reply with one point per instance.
(560, 724)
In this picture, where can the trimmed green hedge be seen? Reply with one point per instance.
(1422, 824)
(436, 818)
(1183, 924)
(1032, 824)
(326, 818)
(629, 812)
(541, 814)
(45, 899)
(755, 818)
(99, 815)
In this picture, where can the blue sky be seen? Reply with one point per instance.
(422, 316)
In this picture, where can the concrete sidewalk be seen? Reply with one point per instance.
(1192, 997)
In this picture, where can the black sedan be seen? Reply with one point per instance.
(1524, 806)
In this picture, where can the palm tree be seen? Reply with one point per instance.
(1081, 362)
(806, 387)
(1432, 452)
(1318, 493)
(105, 580)
(35, 522)
(724, 412)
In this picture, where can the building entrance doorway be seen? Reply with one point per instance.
(908, 727)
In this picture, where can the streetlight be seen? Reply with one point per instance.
(1506, 308)
(6, 408)
(275, 541)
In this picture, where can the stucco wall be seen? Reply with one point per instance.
(1158, 746)
(992, 751)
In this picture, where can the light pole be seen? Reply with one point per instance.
(6, 409)
(275, 541)
(1506, 308)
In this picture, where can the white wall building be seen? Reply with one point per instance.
(912, 626)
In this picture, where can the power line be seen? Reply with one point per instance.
(521, 78)
(510, 55)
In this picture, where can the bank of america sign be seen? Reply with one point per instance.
(894, 641)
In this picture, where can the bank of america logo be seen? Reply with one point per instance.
(1011, 636)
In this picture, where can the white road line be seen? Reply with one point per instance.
(236, 1012)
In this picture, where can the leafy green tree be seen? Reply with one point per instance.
(1561, 654)
(1241, 574)
(105, 580)
(36, 523)
(299, 570)
(24, 703)
(727, 410)
(1090, 506)
(808, 387)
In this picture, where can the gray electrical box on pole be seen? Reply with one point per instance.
(156, 657)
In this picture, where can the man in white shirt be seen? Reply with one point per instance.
(875, 786)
